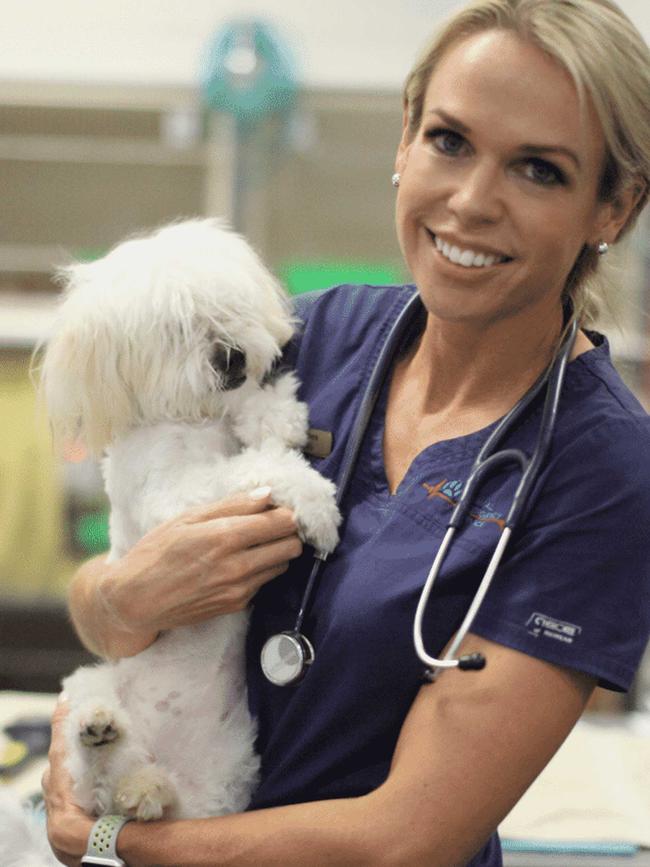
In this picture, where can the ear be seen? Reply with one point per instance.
(612, 216)
(84, 394)
(401, 158)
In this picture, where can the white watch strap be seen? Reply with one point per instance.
(102, 840)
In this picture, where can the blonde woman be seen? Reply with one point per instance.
(525, 153)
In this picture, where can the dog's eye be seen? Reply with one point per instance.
(219, 359)
(224, 359)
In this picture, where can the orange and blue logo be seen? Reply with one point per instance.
(450, 492)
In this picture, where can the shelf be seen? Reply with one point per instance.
(81, 149)
(110, 96)
(32, 258)
(26, 318)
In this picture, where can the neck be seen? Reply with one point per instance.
(459, 365)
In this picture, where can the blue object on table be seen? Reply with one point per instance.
(26, 738)
(563, 847)
(35, 732)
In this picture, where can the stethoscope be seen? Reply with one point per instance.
(286, 656)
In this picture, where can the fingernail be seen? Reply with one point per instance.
(260, 493)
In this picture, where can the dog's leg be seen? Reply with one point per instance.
(272, 414)
(294, 483)
(145, 792)
(96, 728)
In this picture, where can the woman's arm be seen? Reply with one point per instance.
(471, 745)
(208, 561)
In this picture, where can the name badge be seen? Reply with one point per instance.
(319, 443)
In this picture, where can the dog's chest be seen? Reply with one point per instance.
(154, 473)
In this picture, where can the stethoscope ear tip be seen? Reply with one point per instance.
(469, 662)
(472, 662)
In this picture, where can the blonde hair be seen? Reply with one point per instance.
(608, 60)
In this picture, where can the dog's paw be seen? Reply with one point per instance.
(98, 726)
(317, 514)
(145, 794)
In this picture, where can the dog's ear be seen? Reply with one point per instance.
(278, 317)
(80, 382)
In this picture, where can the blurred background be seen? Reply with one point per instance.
(119, 116)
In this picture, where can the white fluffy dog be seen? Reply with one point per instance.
(162, 359)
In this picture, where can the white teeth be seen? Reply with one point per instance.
(466, 258)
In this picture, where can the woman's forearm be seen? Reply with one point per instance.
(94, 617)
(210, 560)
(339, 833)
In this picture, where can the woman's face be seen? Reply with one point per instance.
(504, 167)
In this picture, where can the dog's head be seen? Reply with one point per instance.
(159, 329)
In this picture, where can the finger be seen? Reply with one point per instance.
(241, 532)
(268, 556)
(245, 503)
(61, 710)
(259, 579)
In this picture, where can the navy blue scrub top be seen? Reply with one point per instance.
(573, 589)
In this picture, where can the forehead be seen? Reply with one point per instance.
(498, 83)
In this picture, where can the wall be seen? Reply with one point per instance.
(339, 43)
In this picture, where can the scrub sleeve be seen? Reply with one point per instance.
(572, 589)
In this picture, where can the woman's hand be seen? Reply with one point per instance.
(68, 827)
(210, 560)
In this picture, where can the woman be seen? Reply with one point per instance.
(525, 150)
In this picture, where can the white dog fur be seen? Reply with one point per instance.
(138, 367)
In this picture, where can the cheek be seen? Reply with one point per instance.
(410, 211)
(558, 246)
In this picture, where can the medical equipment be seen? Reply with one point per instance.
(286, 656)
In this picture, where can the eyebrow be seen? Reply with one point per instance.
(533, 149)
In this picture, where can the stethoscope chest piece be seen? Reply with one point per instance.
(286, 657)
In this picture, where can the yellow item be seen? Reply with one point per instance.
(12, 755)
(32, 562)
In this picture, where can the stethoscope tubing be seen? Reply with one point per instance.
(368, 401)
(293, 642)
(487, 462)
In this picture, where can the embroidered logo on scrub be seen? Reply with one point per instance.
(551, 627)
(450, 492)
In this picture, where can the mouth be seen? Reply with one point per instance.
(468, 259)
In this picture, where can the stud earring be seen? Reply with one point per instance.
(603, 248)
(396, 179)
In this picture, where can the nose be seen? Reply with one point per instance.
(477, 195)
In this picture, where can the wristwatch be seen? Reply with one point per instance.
(102, 840)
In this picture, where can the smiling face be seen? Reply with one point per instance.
(498, 190)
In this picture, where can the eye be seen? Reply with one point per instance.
(544, 173)
(447, 141)
(226, 359)
(219, 358)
